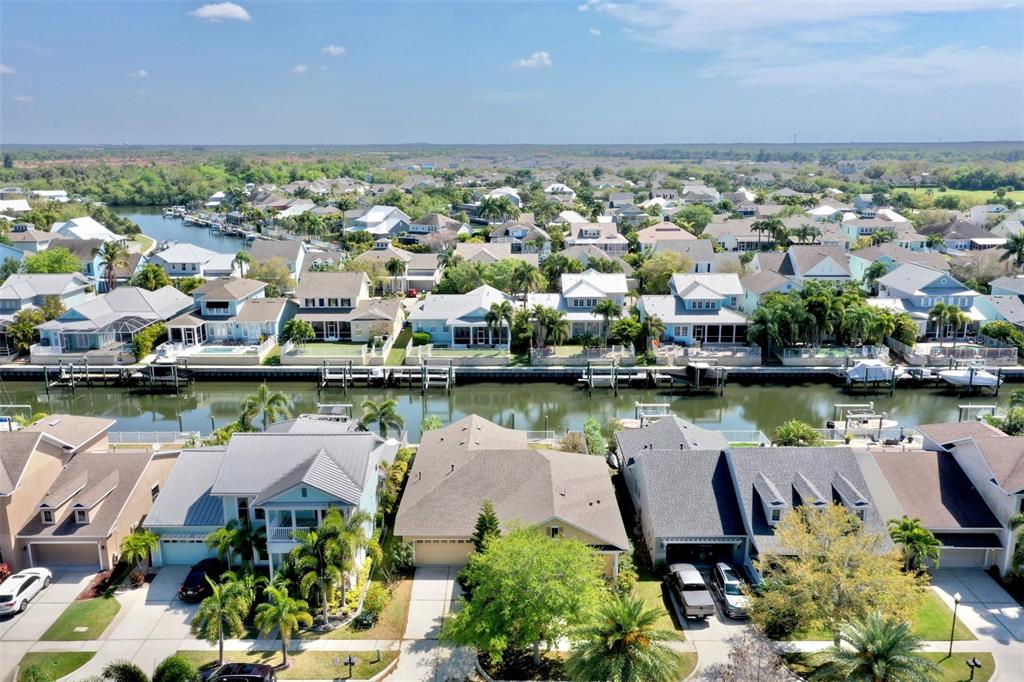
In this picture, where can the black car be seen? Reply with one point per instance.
(195, 588)
(243, 672)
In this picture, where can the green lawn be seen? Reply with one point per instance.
(145, 243)
(973, 196)
(390, 625)
(468, 353)
(332, 350)
(305, 665)
(951, 669)
(92, 614)
(931, 622)
(649, 587)
(57, 664)
(689, 663)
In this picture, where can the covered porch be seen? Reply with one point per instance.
(479, 336)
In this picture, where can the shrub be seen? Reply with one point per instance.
(176, 669)
(147, 339)
(377, 598)
(420, 338)
(797, 433)
(625, 581)
(596, 442)
(572, 441)
(5, 571)
(1002, 330)
(352, 595)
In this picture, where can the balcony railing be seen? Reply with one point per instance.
(283, 533)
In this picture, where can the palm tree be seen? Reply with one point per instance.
(298, 331)
(498, 314)
(947, 316)
(653, 329)
(317, 559)
(137, 547)
(493, 209)
(113, 255)
(1014, 248)
(383, 413)
(269, 406)
(221, 615)
(151, 277)
(857, 320)
(918, 543)
(624, 644)
(878, 650)
(526, 278)
(449, 258)
(172, 669)
(768, 226)
(395, 268)
(246, 583)
(608, 310)
(873, 272)
(124, 671)
(224, 540)
(284, 614)
(243, 259)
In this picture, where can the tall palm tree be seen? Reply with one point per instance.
(225, 540)
(1014, 249)
(947, 316)
(395, 268)
(317, 559)
(383, 413)
(608, 310)
(137, 547)
(877, 650)
(873, 272)
(917, 542)
(499, 314)
(449, 258)
(269, 406)
(284, 614)
(653, 329)
(624, 644)
(243, 259)
(526, 278)
(857, 320)
(113, 255)
(221, 615)
(769, 226)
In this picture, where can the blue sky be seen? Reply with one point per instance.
(510, 72)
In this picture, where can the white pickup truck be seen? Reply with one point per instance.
(696, 600)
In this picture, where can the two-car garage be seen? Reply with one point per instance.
(441, 552)
(181, 551)
(78, 555)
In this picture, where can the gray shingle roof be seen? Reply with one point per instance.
(229, 288)
(956, 229)
(330, 285)
(71, 430)
(913, 278)
(1014, 284)
(285, 249)
(1010, 307)
(668, 433)
(16, 448)
(185, 498)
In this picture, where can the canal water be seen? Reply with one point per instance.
(533, 406)
(153, 224)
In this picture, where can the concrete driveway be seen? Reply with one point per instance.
(435, 594)
(19, 633)
(985, 607)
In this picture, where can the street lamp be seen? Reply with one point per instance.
(974, 664)
(956, 603)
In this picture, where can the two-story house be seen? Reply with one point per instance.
(915, 289)
(813, 262)
(26, 238)
(283, 480)
(231, 311)
(21, 291)
(86, 228)
(420, 271)
(87, 251)
(292, 253)
(702, 309)
(650, 237)
(757, 285)
(381, 221)
(962, 235)
(581, 293)
(421, 229)
(524, 237)
(189, 260)
(339, 307)
(604, 236)
(460, 320)
(559, 191)
(892, 256)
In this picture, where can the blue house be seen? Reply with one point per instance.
(231, 311)
(284, 479)
(460, 320)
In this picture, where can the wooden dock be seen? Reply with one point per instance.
(348, 375)
(70, 375)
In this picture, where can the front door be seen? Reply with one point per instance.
(698, 333)
(330, 330)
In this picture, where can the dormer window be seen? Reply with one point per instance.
(775, 515)
(81, 516)
(46, 516)
(556, 531)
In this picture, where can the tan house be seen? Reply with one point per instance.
(99, 498)
(460, 466)
(339, 307)
(30, 461)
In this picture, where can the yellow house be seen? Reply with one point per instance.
(460, 466)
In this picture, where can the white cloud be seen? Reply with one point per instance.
(534, 61)
(300, 68)
(221, 11)
(333, 50)
(141, 73)
(24, 99)
(6, 70)
(595, 31)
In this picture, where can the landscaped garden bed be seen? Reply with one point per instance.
(305, 665)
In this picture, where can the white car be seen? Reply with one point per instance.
(19, 589)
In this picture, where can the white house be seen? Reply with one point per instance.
(812, 262)
(915, 289)
(561, 191)
(382, 221)
(189, 260)
(511, 193)
(581, 292)
(702, 308)
(86, 228)
(604, 236)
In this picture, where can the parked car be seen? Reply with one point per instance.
(728, 587)
(693, 593)
(195, 588)
(19, 589)
(243, 672)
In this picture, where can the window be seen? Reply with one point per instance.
(81, 516)
(243, 508)
(154, 491)
(926, 301)
(860, 514)
(332, 302)
(556, 531)
(259, 514)
(776, 515)
(46, 516)
(304, 492)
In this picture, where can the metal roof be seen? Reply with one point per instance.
(185, 498)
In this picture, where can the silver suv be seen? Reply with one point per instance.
(726, 584)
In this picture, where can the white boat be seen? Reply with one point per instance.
(970, 377)
(872, 370)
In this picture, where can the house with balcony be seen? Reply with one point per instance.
(104, 328)
(523, 237)
(22, 291)
(460, 320)
(420, 271)
(581, 293)
(701, 309)
(604, 236)
(339, 307)
(915, 289)
(189, 260)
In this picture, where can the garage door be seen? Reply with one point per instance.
(693, 553)
(441, 552)
(183, 552)
(84, 555)
(959, 557)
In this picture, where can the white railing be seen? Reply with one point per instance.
(40, 349)
(534, 436)
(879, 352)
(748, 436)
(122, 437)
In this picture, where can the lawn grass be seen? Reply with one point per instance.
(56, 664)
(973, 196)
(145, 243)
(931, 622)
(689, 663)
(93, 614)
(649, 586)
(305, 665)
(390, 625)
(320, 349)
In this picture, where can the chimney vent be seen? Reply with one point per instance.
(453, 468)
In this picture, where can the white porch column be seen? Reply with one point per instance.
(270, 562)
(31, 561)
(99, 553)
